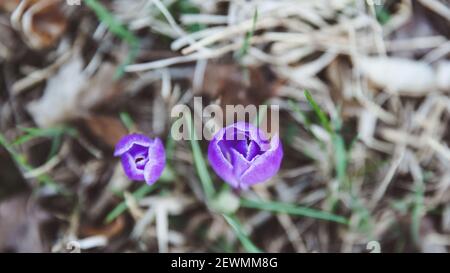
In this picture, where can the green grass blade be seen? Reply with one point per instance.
(279, 207)
(122, 207)
(417, 211)
(170, 148)
(242, 235)
(132, 54)
(340, 150)
(55, 146)
(55, 133)
(294, 106)
(320, 114)
(22, 162)
(127, 121)
(140, 193)
(383, 15)
(17, 157)
(32, 133)
(208, 187)
(246, 44)
(340, 158)
(114, 25)
(199, 161)
(118, 29)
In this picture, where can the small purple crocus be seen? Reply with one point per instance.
(242, 155)
(142, 158)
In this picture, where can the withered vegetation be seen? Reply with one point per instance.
(367, 154)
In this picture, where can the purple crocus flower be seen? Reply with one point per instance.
(142, 158)
(242, 155)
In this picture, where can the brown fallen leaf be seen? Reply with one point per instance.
(108, 129)
(110, 230)
(41, 23)
(237, 85)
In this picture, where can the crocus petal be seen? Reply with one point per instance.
(238, 145)
(219, 163)
(129, 166)
(242, 155)
(264, 166)
(156, 162)
(240, 164)
(138, 151)
(128, 141)
(253, 150)
(142, 158)
(254, 132)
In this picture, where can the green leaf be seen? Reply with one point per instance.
(242, 235)
(56, 144)
(340, 151)
(246, 44)
(20, 160)
(279, 207)
(114, 25)
(127, 120)
(208, 188)
(340, 157)
(303, 117)
(32, 133)
(122, 207)
(418, 210)
(131, 56)
(199, 161)
(140, 193)
(170, 148)
(383, 15)
(118, 29)
(320, 114)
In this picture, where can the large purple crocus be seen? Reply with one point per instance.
(142, 158)
(242, 155)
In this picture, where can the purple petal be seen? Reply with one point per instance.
(242, 155)
(128, 141)
(219, 163)
(254, 132)
(264, 166)
(156, 162)
(130, 168)
(253, 150)
(239, 145)
(138, 151)
(240, 164)
(224, 149)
